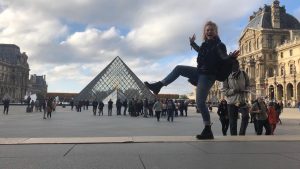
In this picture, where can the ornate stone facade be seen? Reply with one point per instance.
(14, 72)
(37, 85)
(270, 54)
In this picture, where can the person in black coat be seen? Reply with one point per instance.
(110, 106)
(100, 107)
(212, 54)
(224, 118)
(119, 106)
(6, 106)
(125, 107)
(95, 104)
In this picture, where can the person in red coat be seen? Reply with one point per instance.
(272, 116)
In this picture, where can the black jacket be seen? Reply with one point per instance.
(222, 111)
(210, 55)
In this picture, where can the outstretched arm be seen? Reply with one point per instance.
(223, 52)
(193, 44)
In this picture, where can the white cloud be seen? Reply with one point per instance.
(62, 37)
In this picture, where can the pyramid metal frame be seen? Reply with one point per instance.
(115, 76)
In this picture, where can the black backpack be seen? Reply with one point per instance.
(224, 69)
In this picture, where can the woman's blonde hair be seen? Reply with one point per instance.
(215, 27)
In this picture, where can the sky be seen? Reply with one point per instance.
(72, 41)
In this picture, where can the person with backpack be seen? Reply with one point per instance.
(157, 108)
(261, 114)
(223, 114)
(272, 117)
(212, 55)
(235, 88)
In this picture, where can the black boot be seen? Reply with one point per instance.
(206, 133)
(154, 87)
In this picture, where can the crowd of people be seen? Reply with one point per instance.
(263, 115)
(43, 105)
(137, 107)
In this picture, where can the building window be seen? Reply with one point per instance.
(291, 52)
(250, 46)
(292, 69)
(281, 54)
(270, 41)
(242, 48)
(257, 43)
(270, 72)
(282, 71)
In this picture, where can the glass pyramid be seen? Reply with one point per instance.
(117, 79)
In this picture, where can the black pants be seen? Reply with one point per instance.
(170, 115)
(109, 111)
(94, 110)
(157, 113)
(266, 125)
(233, 111)
(225, 125)
(49, 114)
(5, 111)
(118, 111)
(100, 111)
(124, 112)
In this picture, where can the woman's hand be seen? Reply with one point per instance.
(193, 38)
(235, 53)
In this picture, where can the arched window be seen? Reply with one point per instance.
(282, 70)
(292, 69)
(271, 72)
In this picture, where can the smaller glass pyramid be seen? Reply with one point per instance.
(115, 79)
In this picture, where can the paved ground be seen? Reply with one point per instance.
(139, 143)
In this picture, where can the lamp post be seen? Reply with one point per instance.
(295, 87)
(275, 85)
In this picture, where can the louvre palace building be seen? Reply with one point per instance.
(270, 54)
(14, 72)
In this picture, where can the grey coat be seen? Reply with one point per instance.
(236, 90)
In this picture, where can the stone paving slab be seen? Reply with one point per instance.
(144, 139)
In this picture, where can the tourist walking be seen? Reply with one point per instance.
(5, 106)
(235, 88)
(95, 104)
(186, 105)
(119, 106)
(72, 104)
(223, 116)
(212, 54)
(145, 107)
(49, 107)
(100, 108)
(125, 107)
(157, 107)
(110, 106)
(279, 110)
(261, 114)
(272, 117)
(44, 105)
(170, 110)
